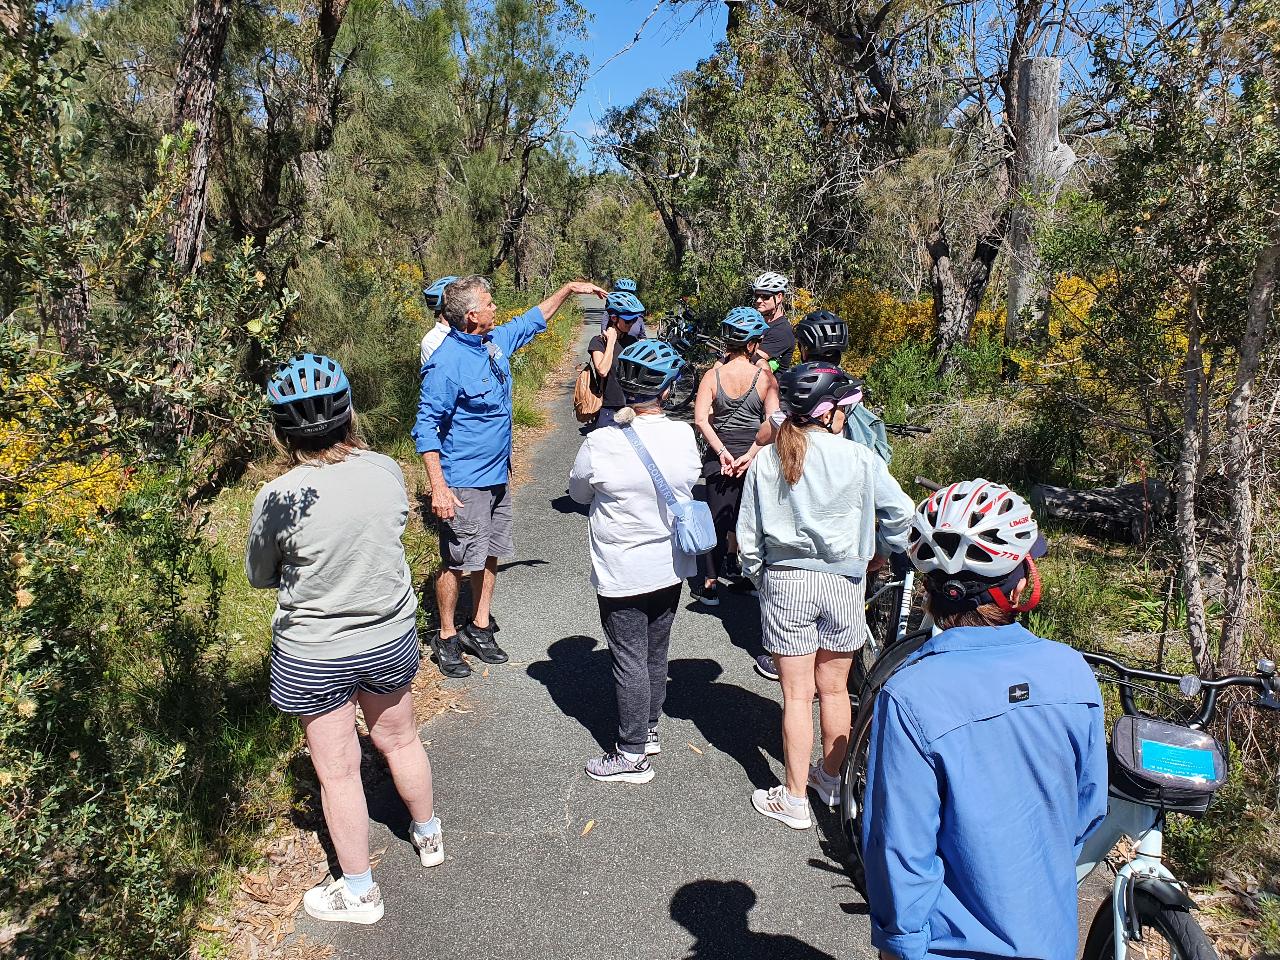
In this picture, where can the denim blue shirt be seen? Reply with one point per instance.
(464, 409)
(987, 770)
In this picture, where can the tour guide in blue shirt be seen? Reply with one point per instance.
(988, 763)
(463, 433)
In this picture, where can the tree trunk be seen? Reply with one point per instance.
(1239, 459)
(957, 294)
(193, 101)
(1041, 164)
(1187, 470)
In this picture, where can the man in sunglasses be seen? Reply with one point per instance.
(463, 433)
(768, 295)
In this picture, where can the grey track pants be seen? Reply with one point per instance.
(639, 632)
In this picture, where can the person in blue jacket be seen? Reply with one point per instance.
(463, 433)
(987, 767)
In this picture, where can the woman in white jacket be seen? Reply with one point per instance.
(636, 566)
(806, 534)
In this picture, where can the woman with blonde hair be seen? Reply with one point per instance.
(807, 534)
(326, 536)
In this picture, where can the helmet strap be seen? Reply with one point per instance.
(1000, 594)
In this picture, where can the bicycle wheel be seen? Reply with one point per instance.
(1168, 933)
(683, 390)
(853, 773)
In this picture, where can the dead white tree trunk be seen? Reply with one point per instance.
(1240, 456)
(1041, 164)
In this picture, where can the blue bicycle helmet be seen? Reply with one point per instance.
(310, 396)
(646, 368)
(434, 294)
(624, 285)
(623, 304)
(741, 325)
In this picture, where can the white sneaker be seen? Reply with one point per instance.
(430, 847)
(825, 786)
(776, 804)
(335, 902)
(651, 745)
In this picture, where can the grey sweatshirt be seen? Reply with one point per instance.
(327, 537)
(827, 521)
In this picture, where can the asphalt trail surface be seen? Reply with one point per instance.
(679, 867)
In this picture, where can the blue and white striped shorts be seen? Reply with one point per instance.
(310, 687)
(802, 611)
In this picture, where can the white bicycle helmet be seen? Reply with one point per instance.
(973, 541)
(770, 282)
(975, 527)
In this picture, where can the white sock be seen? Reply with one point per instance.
(358, 884)
(633, 757)
(792, 801)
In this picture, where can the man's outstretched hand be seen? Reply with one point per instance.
(586, 286)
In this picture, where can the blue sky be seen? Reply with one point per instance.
(674, 40)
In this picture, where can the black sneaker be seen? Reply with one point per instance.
(448, 656)
(479, 642)
(710, 596)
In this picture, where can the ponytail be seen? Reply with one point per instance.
(792, 445)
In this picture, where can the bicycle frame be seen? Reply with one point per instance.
(1145, 826)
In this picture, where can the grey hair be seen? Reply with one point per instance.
(461, 297)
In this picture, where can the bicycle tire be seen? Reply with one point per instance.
(1179, 930)
(853, 772)
(684, 389)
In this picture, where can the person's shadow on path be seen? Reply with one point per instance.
(738, 612)
(579, 679)
(715, 912)
(745, 725)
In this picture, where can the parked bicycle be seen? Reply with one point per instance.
(890, 601)
(699, 350)
(1156, 768)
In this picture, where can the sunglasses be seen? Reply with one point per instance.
(763, 294)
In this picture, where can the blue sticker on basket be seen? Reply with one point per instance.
(1188, 762)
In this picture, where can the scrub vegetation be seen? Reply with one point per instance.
(1072, 288)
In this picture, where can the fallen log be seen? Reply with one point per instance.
(1127, 513)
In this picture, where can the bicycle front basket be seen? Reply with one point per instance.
(1165, 765)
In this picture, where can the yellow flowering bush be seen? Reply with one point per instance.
(45, 475)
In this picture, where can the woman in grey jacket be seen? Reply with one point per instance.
(806, 535)
(326, 536)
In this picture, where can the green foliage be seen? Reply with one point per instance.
(119, 786)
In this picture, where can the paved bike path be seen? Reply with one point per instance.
(679, 867)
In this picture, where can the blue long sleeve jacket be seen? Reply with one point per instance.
(986, 773)
(464, 408)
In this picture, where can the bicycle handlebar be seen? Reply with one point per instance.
(906, 429)
(928, 484)
(1264, 682)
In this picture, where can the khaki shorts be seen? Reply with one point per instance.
(481, 528)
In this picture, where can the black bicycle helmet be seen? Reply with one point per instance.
(822, 334)
(810, 389)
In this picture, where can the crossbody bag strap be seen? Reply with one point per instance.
(659, 481)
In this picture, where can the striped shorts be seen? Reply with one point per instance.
(310, 687)
(802, 611)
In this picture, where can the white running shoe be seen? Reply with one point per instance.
(651, 745)
(824, 785)
(776, 804)
(430, 847)
(336, 903)
(613, 767)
